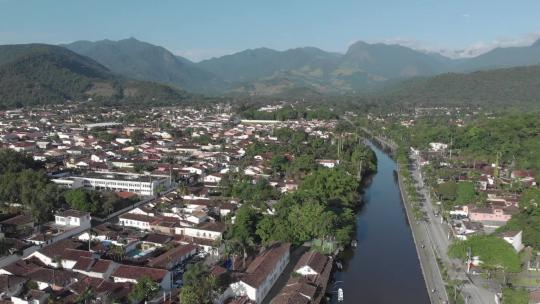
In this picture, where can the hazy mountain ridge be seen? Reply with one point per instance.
(262, 71)
(144, 61)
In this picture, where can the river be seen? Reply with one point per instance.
(384, 268)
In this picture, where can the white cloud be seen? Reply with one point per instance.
(472, 50)
(202, 54)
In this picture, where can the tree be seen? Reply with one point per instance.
(465, 193)
(136, 136)
(278, 163)
(145, 289)
(199, 285)
(189, 295)
(78, 199)
(332, 187)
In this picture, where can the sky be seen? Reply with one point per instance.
(201, 29)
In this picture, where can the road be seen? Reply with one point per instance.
(437, 236)
(428, 262)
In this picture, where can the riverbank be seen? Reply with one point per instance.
(384, 268)
(426, 254)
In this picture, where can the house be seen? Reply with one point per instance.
(155, 240)
(463, 229)
(314, 269)
(93, 267)
(261, 274)
(11, 285)
(513, 238)
(328, 163)
(131, 274)
(208, 230)
(19, 268)
(492, 216)
(56, 279)
(17, 223)
(73, 218)
(136, 220)
(437, 147)
(534, 297)
(102, 289)
(313, 265)
(32, 296)
(212, 178)
(60, 254)
(296, 291)
(173, 257)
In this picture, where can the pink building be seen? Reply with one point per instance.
(493, 214)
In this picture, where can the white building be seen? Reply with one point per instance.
(208, 230)
(328, 163)
(513, 238)
(135, 220)
(125, 182)
(261, 274)
(73, 218)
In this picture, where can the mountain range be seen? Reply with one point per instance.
(363, 68)
(134, 71)
(38, 73)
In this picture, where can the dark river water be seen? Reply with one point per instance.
(384, 268)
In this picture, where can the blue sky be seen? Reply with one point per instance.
(202, 28)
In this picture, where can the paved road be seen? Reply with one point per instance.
(428, 262)
(437, 236)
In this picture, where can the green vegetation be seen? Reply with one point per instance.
(23, 183)
(322, 208)
(514, 296)
(25, 187)
(45, 74)
(200, 286)
(515, 137)
(145, 289)
(97, 203)
(494, 252)
(519, 86)
(456, 193)
(528, 220)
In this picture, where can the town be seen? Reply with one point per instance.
(113, 205)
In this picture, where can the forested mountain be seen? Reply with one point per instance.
(503, 58)
(39, 73)
(510, 86)
(259, 63)
(144, 61)
(363, 68)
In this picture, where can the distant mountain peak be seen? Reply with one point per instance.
(536, 43)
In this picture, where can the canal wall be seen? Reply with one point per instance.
(429, 267)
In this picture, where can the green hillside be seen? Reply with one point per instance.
(41, 74)
(511, 86)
